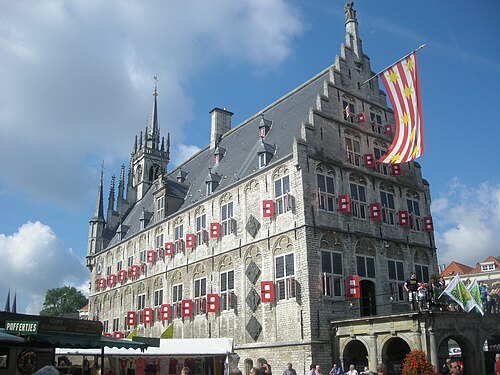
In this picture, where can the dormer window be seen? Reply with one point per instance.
(218, 154)
(212, 181)
(488, 266)
(265, 152)
(181, 176)
(264, 126)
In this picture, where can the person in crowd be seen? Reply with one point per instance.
(366, 371)
(422, 296)
(254, 371)
(411, 286)
(47, 370)
(317, 370)
(380, 369)
(497, 364)
(456, 367)
(289, 369)
(186, 371)
(336, 370)
(312, 369)
(445, 369)
(352, 370)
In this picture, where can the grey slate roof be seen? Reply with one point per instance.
(242, 145)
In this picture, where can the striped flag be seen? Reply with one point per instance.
(401, 83)
(473, 289)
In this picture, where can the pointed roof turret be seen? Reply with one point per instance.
(99, 206)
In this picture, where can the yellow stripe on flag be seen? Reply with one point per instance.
(168, 333)
(132, 334)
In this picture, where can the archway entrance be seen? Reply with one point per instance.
(355, 353)
(368, 300)
(395, 351)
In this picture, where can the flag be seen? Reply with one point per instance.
(459, 293)
(473, 289)
(401, 83)
(132, 334)
(168, 333)
(7, 303)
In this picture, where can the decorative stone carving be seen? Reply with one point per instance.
(252, 226)
(252, 272)
(253, 328)
(253, 299)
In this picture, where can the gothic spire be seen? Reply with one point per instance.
(99, 207)
(153, 127)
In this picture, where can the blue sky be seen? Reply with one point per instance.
(77, 78)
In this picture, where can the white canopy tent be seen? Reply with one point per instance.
(168, 347)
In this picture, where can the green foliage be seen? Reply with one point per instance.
(59, 301)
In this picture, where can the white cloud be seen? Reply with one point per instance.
(35, 260)
(183, 153)
(468, 222)
(78, 74)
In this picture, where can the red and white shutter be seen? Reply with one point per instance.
(344, 205)
(267, 208)
(375, 211)
(186, 307)
(147, 315)
(262, 131)
(189, 240)
(403, 218)
(131, 318)
(111, 279)
(212, 302)
(133, 271)
(387, 128)
(150, 256)
(369, 160)
(214, 230)
(267, 291)
(428, 224)
(352, 286)
(396, 170)
(122, 276)
(165, 312)
(169, 248)
(118, 335)
(361, 117)
(101, 283)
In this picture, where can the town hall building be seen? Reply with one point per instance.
(280, 226)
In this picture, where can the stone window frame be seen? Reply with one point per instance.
(287, 281)
(388, 212)
(396, 287)
(379, 149)
(359, 207)
(353, 153)
(412, 202)
(333, 281)
(326, 198)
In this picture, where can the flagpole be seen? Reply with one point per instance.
(394, 63)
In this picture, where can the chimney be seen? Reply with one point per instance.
(220, 124)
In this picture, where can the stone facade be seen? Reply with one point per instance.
(301, 153)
